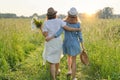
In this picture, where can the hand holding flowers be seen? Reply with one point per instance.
(36, 23)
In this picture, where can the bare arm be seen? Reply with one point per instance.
(71, 29)
(57, 34)
(61, 30)
(45, 33)
(82, 45)
(81, 40)
(49, 38)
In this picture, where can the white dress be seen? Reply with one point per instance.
(53, 48)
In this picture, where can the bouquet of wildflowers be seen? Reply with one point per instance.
(36, 23)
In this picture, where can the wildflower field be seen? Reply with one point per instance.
(21, 51)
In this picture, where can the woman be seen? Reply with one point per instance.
(53, 48)
(72, 40)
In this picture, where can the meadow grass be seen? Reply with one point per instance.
(16, 42)
(102, 40)
(21, 51)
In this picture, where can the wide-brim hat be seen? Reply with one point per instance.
(51, 11)
(84, 58)
(73, 12)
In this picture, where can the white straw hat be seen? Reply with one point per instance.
(73, 12)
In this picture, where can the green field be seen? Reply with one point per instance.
(21, 51)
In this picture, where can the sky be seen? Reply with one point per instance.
(29, 7)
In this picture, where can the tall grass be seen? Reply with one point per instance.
(102, 39)
(16, 42)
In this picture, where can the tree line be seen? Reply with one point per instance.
(105, 13)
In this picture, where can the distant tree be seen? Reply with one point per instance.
(106, 13)
(61, 16)
(35, 14)
(8, 15)
(99, 14)
(22, 16)
(43, 16)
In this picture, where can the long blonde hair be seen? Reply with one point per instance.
(72, 19)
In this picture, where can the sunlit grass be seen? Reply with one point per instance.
(21, 51)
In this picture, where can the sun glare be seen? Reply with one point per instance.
(89, 13)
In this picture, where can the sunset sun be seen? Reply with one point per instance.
(89, 13)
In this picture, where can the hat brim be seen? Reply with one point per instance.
(72, 15)
(51, 14)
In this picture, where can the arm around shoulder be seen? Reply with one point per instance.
(71, 29)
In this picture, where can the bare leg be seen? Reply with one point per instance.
(69, 64)
(52, 71)
(73, 66)
(57, 68)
